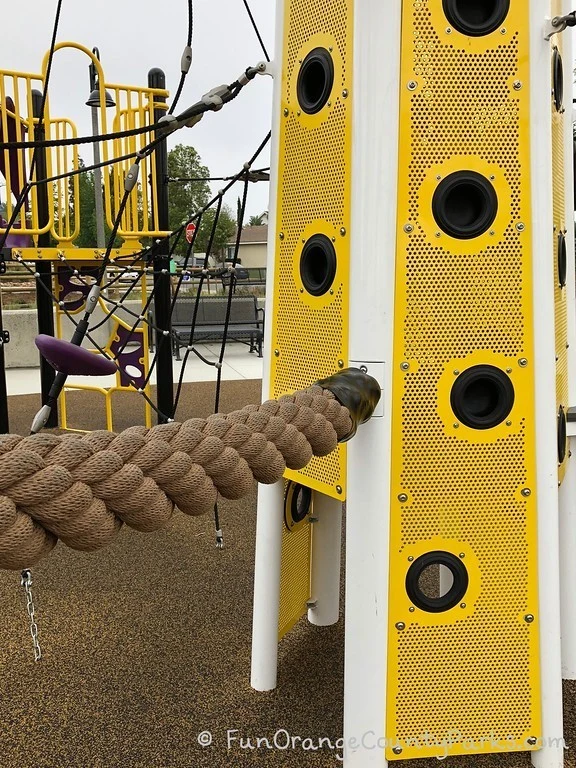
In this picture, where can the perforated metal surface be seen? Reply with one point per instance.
(310, 334)
(559, 198)
(294, 576)
(468, 677)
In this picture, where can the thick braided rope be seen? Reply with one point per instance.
(82, 489)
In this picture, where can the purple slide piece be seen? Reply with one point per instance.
(72, 360)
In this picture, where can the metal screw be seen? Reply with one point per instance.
(529, 618)
(400, 626)
(298, 113)
(301, 290)
(448, 30)
(345, 93)
(503, 31)
(462, 555)
(508, 370)
(402, 498)
(532, 741)
(438, 234)
(411, 559)
(455, 425)
(286, 112)
(517, 85)
(438, 178)
(462, 605)
(281, 235)
(492, 233)
(520, 226)
(412, 85)
(329, 104)
(340, 363)
(526, 492)
(408, 228)
(339, 489)
(342, 231)
(522, 362)
(277, 353)
(397, 750)
(508, 423)
(404, 366)
(331, 292)
(411, 609)
(456, 372)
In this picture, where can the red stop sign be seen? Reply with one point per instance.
(190, 229)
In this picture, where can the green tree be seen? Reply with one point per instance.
(256, 221)
(225, 230)
(186, 197)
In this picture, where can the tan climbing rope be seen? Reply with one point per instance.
(82, 489)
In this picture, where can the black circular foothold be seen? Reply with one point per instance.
(315, 81)
(561, 435)
(482, 397)
(297, 504)
(476, 18)
(557, 79)
(318, 265)
(465, 205)
(562, 260)
(436, 604)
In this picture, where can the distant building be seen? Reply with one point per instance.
(253, 246)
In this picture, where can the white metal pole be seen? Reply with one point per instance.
(376, 99)
(551, 753)
(270, 498)
(568, 488)
(325, 572)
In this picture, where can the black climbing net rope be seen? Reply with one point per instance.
(130, 271)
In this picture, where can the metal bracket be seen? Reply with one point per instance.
(2, 267)
(4, 338)
(559, 24)
(266, 68)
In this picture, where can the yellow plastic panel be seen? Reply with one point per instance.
(559, 198)
(465, 680)
(294, 576)
(310, 334)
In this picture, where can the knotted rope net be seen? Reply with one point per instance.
(81, 489)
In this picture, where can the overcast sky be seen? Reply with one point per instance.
(135, 35)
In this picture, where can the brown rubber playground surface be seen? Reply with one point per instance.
(147, 644)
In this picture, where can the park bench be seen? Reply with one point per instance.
(246, 322)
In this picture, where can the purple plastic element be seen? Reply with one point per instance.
(72, 360)
(68, 283)
(10, 130)
(15, 240)
(130, 359)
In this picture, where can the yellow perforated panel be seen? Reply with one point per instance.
(310, 334)
(465, 680)
(294, 576)
(559, 181)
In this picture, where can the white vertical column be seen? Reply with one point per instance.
(326, 549)
(568, 488)
(376, 100)
(551, 753)
(270, 498)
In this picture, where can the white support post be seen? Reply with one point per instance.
(376, 97)
(270, 518)
(568, 488)
(267, 587)
(551, 753)
(326, 549)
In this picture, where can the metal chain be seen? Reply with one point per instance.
(26, 582)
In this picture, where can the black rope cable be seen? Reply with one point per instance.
(184, 72)
(258, 35)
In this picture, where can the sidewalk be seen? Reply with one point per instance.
(238, 364)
